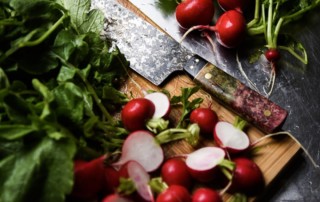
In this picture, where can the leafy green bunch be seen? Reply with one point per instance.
(271, 16)
(58, 90)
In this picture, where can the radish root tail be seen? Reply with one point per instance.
(244, 73)
(293, 138)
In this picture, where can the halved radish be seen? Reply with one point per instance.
(161, 103)
(142, 147)
(230, 137)
(140, 178)
(203, 164)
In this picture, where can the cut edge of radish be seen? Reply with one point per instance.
(231, 137)
(161, 103)
(141, 179)
(142, 147)
(205, 158)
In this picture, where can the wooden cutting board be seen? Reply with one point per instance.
(271, 158)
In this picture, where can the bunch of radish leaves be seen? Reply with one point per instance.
(58, 82)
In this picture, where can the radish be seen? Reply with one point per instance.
(115, 198)
(231, 137)
(206, 118)
(88, 179)
(206, 195)
(194, 12)
(230, 29)
(239, 5)
(175, 171)
(112, 177)
(141, 146)
(161, 103)
(140, 178)
(247, 177)
(204, 163)
(174, 193)
(136, 113)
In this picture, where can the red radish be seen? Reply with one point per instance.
(175, 171)
(239, 5)
(115, 198)
(161, 103)
(231, 138)
(136, 113)
(174, 193)
(88, 179)
(194, 12)
(230, 29)
(203, 164)
(142, 147)
(206, 118)
(247, 177)
(111, 181)
(272, 55)
(206, 195)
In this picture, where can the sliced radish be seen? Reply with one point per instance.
(161, 103)
(230, 137)
(142, 147)
(203, 163)
(140, 178)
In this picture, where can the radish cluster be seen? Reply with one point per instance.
(230, 28)
(142, 172)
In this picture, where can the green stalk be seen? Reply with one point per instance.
(269, 26)
(256, 15)
(34, 42)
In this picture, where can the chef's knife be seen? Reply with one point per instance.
(155, 56)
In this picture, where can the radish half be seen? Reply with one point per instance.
(140, 178)
(203, 163)
(161, 103)
(142, 147)
(231, 138)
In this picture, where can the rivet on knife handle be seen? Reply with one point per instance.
(244, 101)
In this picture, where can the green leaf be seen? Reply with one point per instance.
(69, 99)
(35, 173)
(14, 131)
(66, 74)
(84, 19)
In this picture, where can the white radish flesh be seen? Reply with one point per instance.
(205, 158)
(161, 103)
(203, 163)
(140, 178)
(231, 138)
(142, 147)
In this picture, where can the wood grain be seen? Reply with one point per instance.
(274, 154)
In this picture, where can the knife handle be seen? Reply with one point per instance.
(244, 101)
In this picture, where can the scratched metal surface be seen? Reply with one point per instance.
(296, 90)
(142, 50)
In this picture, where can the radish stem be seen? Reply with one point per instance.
(191, 134)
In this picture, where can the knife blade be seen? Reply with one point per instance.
(155, 56)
